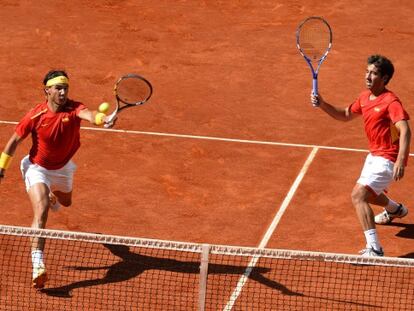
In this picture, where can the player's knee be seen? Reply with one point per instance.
(358, 194)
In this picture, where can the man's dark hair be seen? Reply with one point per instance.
(384, 65)
(54, 73)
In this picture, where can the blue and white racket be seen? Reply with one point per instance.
(314, 41)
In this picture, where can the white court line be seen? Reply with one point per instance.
(288, 198)
(243, 279)
(246, 141)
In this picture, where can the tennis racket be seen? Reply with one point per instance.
(130, 90)
(314, 41)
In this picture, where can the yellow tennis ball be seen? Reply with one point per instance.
(100, 118)
(104, 107)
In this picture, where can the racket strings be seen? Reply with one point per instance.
(314, 38)
(133, 90)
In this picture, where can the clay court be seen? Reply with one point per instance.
(215, 154)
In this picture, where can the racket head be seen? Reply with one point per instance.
(314, 39)
(132, 89)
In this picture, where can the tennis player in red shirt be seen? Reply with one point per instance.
(389, 134)
(54, 127)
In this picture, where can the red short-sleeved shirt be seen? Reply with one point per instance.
(379, 116)
(55, 136)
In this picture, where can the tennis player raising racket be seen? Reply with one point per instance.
(48, 170)
(389, 134)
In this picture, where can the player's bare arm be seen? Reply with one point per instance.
(338, 113)
(9, 151)
(405, 137)
(92, 116)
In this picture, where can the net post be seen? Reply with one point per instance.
(203, 276)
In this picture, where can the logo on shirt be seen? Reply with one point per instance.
(377, 109)
(65, 119)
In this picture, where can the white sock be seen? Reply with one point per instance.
(392, 206)
(372, 239)
(37, 258)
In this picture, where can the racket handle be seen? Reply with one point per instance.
(108, 125)
(110, 120)
(315, 86)
(315, 90)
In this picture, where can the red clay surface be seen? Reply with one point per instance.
(219, 68)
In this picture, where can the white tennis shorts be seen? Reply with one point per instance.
(56, 180)
(376, 174)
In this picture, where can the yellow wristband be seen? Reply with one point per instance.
(100, 118)
(5, 161)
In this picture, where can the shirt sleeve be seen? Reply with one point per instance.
(397, 112)
(78, 107)
(25, 126)
(355, 107)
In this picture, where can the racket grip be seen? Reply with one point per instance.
(108, 125)
(110, 121)
(315, 86)
(315, 90)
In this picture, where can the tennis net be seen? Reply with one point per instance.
(106, 272)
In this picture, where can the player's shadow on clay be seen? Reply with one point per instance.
(132, 265)
(407, 232)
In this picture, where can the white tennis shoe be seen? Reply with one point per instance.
(39, 277)
(386, 217)
(370, 252)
